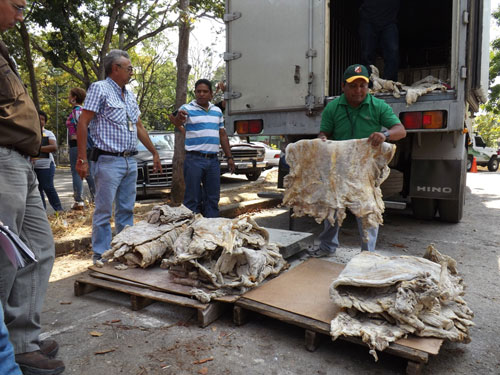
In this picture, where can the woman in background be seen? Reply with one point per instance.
(76, 98)
(45, 167)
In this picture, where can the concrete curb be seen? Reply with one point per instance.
(64, 247)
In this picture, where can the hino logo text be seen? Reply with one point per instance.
(435, 189)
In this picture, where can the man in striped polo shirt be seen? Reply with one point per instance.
(203, 124)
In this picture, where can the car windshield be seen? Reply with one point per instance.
(163, 142)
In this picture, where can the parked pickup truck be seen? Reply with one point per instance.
(248, 158)
(485, 156)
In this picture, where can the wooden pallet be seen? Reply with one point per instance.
(300, 297)
(143, 290)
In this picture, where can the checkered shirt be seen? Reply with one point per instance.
(109, 128)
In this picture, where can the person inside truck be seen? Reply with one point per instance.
(378, 28)
(355, 115)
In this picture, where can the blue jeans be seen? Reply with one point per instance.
(22, 291)
(387, 38)
(329, 238)
(115, 181)
(202, 179)
(8, 363)
(46, 184)
(77, 180)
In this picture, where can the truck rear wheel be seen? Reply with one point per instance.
(253, 176)
(424, 208)
(493, 165)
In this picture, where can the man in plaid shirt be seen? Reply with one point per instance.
(111, 114)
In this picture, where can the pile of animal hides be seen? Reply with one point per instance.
(224, 256)
(328, 177)
(413, 92)
(387, 298)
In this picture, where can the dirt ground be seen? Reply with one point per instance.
(74, 224)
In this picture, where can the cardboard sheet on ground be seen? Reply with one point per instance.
(304, 290)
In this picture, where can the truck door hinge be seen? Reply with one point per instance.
(311, 53)
(463, 72)
(465, 17)
(228, 17)
(228, 56)
(228, 95)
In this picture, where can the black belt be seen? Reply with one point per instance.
(124, 153)
(203, 154)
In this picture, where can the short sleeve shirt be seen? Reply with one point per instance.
(44, 163)
(113, 127)
(202, 127)
(343, 122)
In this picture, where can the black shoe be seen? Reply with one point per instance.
(35, 363)
(49, 348)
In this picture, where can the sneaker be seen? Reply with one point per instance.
(78, 206)
(320, 253)
(49, 348)
(35, 363)
(98, 260)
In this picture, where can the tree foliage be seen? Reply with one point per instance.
(493, 104)
(488, 125)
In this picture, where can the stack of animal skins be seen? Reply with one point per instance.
(227, 256)
(387, 298)
(328, 177)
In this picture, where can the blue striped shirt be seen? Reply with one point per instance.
(202, 127)
(109, 128)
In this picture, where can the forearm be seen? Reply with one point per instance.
(143, 136)
(397, 132)
(224, 142)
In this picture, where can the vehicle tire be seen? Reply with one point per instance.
(493, 165)
(253, 176)
(469, 162)
(424, 208)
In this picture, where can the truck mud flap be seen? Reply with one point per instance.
(435, 179)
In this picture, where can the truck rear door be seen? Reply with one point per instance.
(275, 55)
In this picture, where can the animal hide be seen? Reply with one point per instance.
(328, 177)
(385, 298)
(226, 255)
(413, 92)
(147, 241)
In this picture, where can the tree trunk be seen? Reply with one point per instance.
(183, 68)
(29, 63)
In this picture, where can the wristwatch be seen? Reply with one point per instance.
(386, 134)
(82, 161)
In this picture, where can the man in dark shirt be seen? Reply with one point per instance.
(378, 28)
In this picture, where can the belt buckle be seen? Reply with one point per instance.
(127, 154)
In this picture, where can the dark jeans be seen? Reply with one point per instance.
(387, 38)
(202, 178)
(46, 185)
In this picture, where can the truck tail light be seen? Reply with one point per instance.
(423, 120)
(411, 120)
(433, 120)
(249, 126)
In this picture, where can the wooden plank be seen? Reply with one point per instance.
(104, 276)
(142, 292)
(324, 328)
(311, 340)
(155, 278)
(284, 316)
(138, 302)
(211, 313)
(240, 315)
(82, 288)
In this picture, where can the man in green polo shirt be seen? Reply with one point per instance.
(355, 115)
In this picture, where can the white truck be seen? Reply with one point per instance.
(485, 156)
(285, 60)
